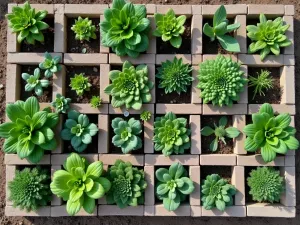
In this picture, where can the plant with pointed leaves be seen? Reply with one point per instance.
(96, 102)
(261, 82)
(34, 82)
(61, 104)
(50, 65)
(84, 29)
(80, 84)
(145, 115)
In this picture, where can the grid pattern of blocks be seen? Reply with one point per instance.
(238, 162)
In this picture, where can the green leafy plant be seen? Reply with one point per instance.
(80, 184)
(128, 185)
(84, 29)
(220, 30)
(34, 82)
(169, 28)
(130, 87)
(80, 84)
(145, 115)
(173, 185)
(265, 184)
(96, 102)
(268, 36)
(220, 81)
(171, 135)
(174, 76)
(61, 104)
(50, 65)
(78, 130)
(271, 134)
(220, 132)
(27, 23)
(217, 193)
(125, 28)
(263, 81)
(30, 189)
(30, 131)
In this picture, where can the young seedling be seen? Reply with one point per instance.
(61, 104)
(34, 83)
(51, 65)
(145, 115)
(84, 29)
(262, 82)
(96, 102)
(80, 84)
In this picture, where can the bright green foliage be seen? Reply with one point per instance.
(61, 104)
(130, 87)
(30, 189)
(169, 28)
(272, 134)
(173, 185)
(51, 65)
(217, 193)
(125, 28)
(84, 29)
(263, 81)
(174, 76)
(220, 29)
(220, 133)
(96, 102)
(27, 23)
(171, 135)
(80, 184)
(145, 115)
(78, 130)
(126, 134)
(128, 185)
(221, 81)
(30, 131)
(265, 184)
(268, 36)
(80, 84)
(34, 82)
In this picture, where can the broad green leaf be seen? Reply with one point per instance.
(60, 181)
(219, 16)
(24, 148)
(38, 138)
(14, 112)
(89, 204)
(74, 161)
(97, 191)
(267, 153)
(10, 145)
(267, 108)
(250, 145)
(207, 131)
(232, 132)
(171, 205)
(36, 155)
(5, 128)
(66, 134)
(49, 145)
(283, 120)
(75, 194)
(281, 148)
(162, 189)
(221, 29)
(31, 106)
(220, 205)
(39, 119)
(229, 43)
(176, 170)
(95, 169)
(259, 137)
(292, 143)
(159, 173)
(76, 141)
(188, 186)
(86, 138)
(176, 41)
(74, 207)
(233, 27)
(214, 145)
(105, 183)
(250, 130)
(223, 121)
(52, 120)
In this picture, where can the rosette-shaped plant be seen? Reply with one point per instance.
(173, 185)
(84, 29)
(30, 189)
(78, 130)
(34, 82)
(268, 36)
(27, 23)
(30, 131)
(169, 28)
(125, 28)
(171, 135)
(174, 76)
(217, 193)
(96, 102)
(126, 134)
(61, 104)
(50, 65)
(80, 184)
(271, 134)
(80, 84)
(221, 81)
(265, 184)
(128, 185)
(145, 115)
(130, 87)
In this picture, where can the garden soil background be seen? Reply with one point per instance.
(114, 220)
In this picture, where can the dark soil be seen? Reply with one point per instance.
(223, 171)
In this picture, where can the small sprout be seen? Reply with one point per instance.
(83, 50)
(263, 81)
(80, 84)
(96, 102)
(145, 115)
(34, 83)
(51, 65)
(61, 104)
(84, 29)
(126, 113)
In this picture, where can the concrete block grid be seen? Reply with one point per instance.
(194, 161)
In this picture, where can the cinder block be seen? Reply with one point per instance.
(268, 10)
(287, 82)
(195, 126)
(10, 173)
(103, 125)
(26, 58)
(289, 160)
(59, 82)
(290, 35)
(104, 81)
(60, 29)
(150, 190)
(13, 82)
(183, 109)
(288, 198)
(241, 32)
(196, 211)
(85, 10)
(85, 59)
(236, 109)
(218, 159)
(152, 39)
(149, 210)
(197, 21)
(196, 91)
(12, 44)
(148, 135)
(88, 109)
(289, 10)
(257, 160)
(113, 210)
(58, 129)
(186, 58)
(142, 59)
(55, 200)
(183, 210)
(244, 94)
(274, 210)
(231, 211)
(41, 212)
(161, 160)
(214, 56)
(237, 179)
(239, 122)
(289, 60)
(13, 159)
(151, 76)
(197, 10)
(103, 49)
(149, 107)
(195, 198)
(254, 60)
(232, 10)
(110, 159)
(59, 159)
(59, 211)
(178, 9)
(151, 8)
(278, 108)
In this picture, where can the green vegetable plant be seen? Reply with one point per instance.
(61, 104)
(173, 186)
(145, 115)
(80, 84)
(221, 81)
(96, 102)
(169, 27)
(265, 184)
(171, 135)
(128, 185)
(84, 29)
(125, 28)
(268, 36)
(30, 189)
(220, 132)
(221, 29)
(30, 131)
(80, 184)
(78, 130)
(217, 193)
(130, 87)
(27, 23)
(271, 134)
(34, 82)
(50, 65)
(262, 82)
(174, 76)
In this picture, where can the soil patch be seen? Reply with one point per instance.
(224, 172)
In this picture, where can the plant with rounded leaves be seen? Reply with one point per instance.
(173, 185)
(217, 193)
(34, 82)
(262, 81)
(130, 87)
(174, 76)
(80, 184)
(78, 130)
(145, 115)
(51, 65)
(80, 84)
(96, 102)
(221, 81)
(171, 135)
(84, 29)
(61, 104)
(128, 185)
